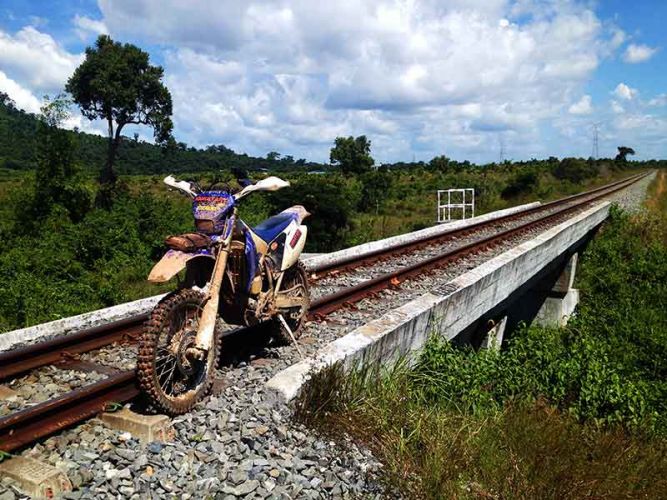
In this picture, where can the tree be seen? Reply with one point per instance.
(353, 155)
(623, 152)
(376, 188)
(116, 83)
(574, 169)
(57, 177)
(7, 101)
(439, 163)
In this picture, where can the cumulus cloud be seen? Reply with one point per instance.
(35, 60)
(421, 78)
(85, 27)
(415, 76)
(23, 98)
(616, 107)
(638, 53)
(622, 91)
(582, 107)
(659, 100)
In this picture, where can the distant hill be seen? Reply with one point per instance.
(17, 145)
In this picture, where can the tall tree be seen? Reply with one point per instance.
(57, 177)
(116, 83)
(353, 155)
(623, 152)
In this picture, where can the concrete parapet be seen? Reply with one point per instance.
(403, 331)
(77, 323)
(36, 479)
(372, 246)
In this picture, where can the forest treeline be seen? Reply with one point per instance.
(17, 151)
(18, 136)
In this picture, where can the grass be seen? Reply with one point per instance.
(578, 412)
(524, 450)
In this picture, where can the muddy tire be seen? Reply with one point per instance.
(173, 381)
(296, 277)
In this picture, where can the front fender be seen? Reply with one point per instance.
(171, 264)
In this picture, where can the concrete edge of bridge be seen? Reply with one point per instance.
(402, 332)
(72, 324)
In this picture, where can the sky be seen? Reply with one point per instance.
(470, 79)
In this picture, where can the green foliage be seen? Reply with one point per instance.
(575, 170)
(606, 366)
(432, 449)
(521, 184)
(376, 189)
(116, 83)
(623, 152)
(58, 180)
(68, 268)
(352, 154)
(331, 200)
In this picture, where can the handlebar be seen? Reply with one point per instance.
(183, 186)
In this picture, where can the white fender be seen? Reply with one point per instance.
(294, 243)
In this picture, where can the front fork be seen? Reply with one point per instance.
(206, 329)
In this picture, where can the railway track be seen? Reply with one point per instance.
(33, 423)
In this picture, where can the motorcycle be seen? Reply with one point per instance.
(231, 273)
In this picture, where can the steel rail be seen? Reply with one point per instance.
(31, 424)
(353, 261)
(329, 303)
(60, 349)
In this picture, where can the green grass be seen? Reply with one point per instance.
(578, 412)
(522, 450)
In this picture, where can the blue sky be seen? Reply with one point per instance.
(420, 78)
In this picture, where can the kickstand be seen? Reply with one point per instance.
(289, 330)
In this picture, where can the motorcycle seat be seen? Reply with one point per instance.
(269, 229)
(188, 242)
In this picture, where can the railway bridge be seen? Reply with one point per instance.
(470, 281)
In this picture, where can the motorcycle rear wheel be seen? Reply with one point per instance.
(167, 373)
(295, 279)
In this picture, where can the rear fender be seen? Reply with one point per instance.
(172, 263)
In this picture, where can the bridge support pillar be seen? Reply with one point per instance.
(494, 337)
(562, 299)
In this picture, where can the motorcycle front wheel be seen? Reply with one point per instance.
(168, 374)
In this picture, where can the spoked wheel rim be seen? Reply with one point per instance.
(295, 285)
(168, 372)
(176, 371)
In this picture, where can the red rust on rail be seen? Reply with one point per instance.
(31, 424)
(24, 359)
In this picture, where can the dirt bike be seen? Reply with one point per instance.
(228, 271)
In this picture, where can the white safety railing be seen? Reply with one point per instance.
(464, 199)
